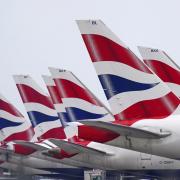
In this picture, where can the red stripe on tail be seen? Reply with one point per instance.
(163, 107)
(68, 89)
(103, 49)
(9, 108)
(57, 133)
(25, 135)
(164, 71)
(29, 95)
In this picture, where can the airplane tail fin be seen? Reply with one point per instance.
(131, 89)
(70, 131)
(40, 108)
(79, 102)
(72, 97)
(13, 125)
(162, 65)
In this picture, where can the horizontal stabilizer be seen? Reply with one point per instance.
(77, 148)
(126, 130)
(38, 147)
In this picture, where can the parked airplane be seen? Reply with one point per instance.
(162, 65)
(137, 98)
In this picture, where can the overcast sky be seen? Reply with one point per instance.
(35, 34)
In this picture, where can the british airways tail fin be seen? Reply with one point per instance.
(79, 102)
(13, 125)
(40, 108)
(162, 65)
(75, 103)
(132, 90)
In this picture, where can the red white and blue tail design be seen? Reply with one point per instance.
(132, 90)
(162, 65)
(70, 129)
(13, 125)
(76, 93)
(79, 102)
(40, 108)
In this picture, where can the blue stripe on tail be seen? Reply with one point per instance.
(4, 123)
(79, 114)
(37, 118)
(113, 85)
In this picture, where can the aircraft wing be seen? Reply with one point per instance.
(77, 148)
(127, 131)
(36, 146)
